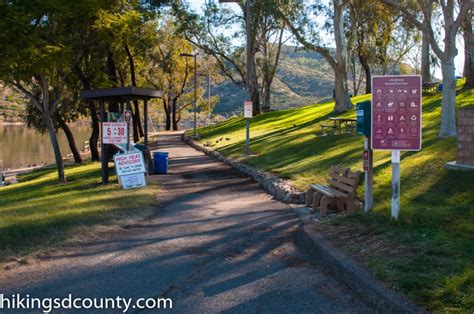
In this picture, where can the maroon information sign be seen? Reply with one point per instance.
(396, 112)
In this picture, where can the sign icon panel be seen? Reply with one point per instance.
(396, 112)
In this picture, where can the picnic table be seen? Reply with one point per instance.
(340, 124)
(430, 87)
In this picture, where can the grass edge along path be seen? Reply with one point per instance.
(429, 254)
(38, 213)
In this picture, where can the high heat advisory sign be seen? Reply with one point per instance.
(396, 112)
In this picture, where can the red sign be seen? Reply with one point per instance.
(396, 112)
(128, 116)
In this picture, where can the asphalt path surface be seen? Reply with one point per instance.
(218, 243)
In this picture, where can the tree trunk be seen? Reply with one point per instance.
(468, 54)
(368, 74)
(425, 46)
(56, 149)
(448, 104)
(267, 89)
(136, 137)
(174, 117)
(137, 124)
(343, 101)
(94, 138)
(166, 109)
(70, 138)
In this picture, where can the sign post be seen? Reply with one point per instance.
(369, 176)
(396, 122)
(248, 113)
(395, 184)
(363, 128)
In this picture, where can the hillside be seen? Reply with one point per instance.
(302, 78)
(428, 254)
(11, 104)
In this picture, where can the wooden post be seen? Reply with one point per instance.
(103, 151)
(145, 117)
(128, 126)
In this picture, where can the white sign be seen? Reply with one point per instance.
(129, 163)
(136, 180)
(114, 133)
(248, 110)
(128, 116)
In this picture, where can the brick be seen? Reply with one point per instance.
(466, 121)
(464, 153)
(460, 129)
(469, 113)
(464, 137)
(461, 113)
(469, 129)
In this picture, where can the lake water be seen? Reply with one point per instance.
(21, 146)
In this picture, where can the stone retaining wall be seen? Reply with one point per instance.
(279, 188)
(465, 138)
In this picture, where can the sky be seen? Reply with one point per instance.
(459, 61)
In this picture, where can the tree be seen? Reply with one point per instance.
(425, 46)
(305, 30)
(270, 39)
(369, 35)
(446, 55)
(171, 72)
(38, 61)
(206, 32)
(468, 35)
(67, 111)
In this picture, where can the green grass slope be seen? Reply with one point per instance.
(429, 253)
(39, 213)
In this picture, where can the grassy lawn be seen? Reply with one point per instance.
(39, 213)
(429, 253)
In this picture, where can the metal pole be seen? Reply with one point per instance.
(248, 22)
(369, 178)
(103, 150)
(247, 142)
(395, 184)
(145, 117)
(195, 93)
(208, 98)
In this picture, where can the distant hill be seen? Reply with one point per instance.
(11, 104)
(302, 78)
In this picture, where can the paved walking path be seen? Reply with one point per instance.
(219, 243)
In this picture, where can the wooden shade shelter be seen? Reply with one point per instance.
(122, 95)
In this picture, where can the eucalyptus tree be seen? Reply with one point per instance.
(451, 22)
(213, 33)
(369, 33)
(169, 71)
(468, 35)
(300, 17)
(38, 53)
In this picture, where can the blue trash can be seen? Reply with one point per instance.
(440, 87)
(160, 162)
